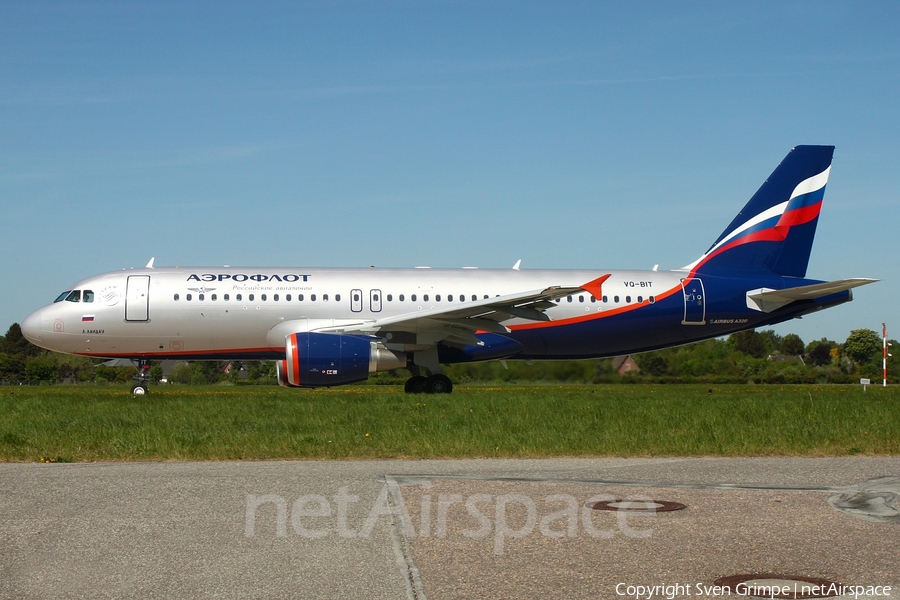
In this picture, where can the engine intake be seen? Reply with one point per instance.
(329, 359)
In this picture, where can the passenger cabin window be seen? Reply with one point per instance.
(250, 297)
(287, 297)
(188, 297)
(201, 297)
(238, 297)
(226, 297)
(337, 298)
(214, 297)
(312, 297)
(299, 297)
(176, 297)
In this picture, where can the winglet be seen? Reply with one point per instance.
(594, 287)
(150, 264)
(517, 265)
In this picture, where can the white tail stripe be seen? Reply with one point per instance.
(816, 182)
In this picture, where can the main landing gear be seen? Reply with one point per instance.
(429, 361)
(436, 384)
(141, 388)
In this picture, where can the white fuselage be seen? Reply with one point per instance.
(184, 312)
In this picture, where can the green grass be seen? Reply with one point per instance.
(75, 424)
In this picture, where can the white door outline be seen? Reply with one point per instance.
(137, 298)
(356, 303)
(375, 300)
(694, 302)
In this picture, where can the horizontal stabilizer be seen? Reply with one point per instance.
(767, 300)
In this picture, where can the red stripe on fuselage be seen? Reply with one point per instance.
(601, 315)
(184, 353)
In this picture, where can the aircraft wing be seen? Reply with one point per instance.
(766, 299)
(458, 323)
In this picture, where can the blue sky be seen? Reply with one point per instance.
(393, 133)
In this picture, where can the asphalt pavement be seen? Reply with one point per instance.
(548, 528)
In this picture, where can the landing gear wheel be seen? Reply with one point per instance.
(141, 388)
(415, 385)
(438, 384)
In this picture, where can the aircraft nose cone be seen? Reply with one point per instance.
(31, 327)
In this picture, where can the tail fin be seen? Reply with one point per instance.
(774, 232)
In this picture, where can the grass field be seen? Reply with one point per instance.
(75, 424)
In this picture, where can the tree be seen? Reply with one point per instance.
(653, 364)
(862, 345)
(16, 343)
(819, 352)
(749, 342)
(41, 369)
(771, 340)
(181, 373)
(792, 345)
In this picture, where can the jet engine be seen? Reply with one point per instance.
(329, 359)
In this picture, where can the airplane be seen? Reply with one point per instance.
(327, 327)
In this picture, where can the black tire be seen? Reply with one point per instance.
(139, 389)
(439, 384)
(415, 385)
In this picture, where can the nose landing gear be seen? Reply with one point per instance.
(141, 388)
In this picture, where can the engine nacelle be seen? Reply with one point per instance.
(329, 359)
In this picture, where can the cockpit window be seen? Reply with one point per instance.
(75, 296)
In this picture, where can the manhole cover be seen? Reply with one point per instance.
(637, 505)
(767, 585)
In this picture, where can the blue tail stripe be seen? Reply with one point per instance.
(779, 252)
